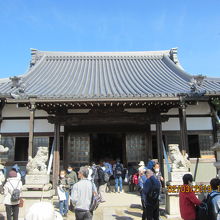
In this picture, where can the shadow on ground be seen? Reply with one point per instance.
(122, 217)
(136, 214)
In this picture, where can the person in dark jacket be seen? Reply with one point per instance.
(214, 206)
(188, 199)
(141, 181)
(151, 204)
(118, 172)
(71, 176)
(72, 179)
(95, 175)
(158, 175)
(102, 183)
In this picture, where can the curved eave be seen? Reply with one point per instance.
(92, 100)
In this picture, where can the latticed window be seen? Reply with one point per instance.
(205, 144)
(136, 147)
(79, 147)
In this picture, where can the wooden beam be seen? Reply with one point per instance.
(31, 129)
(160, 146)
(183, 128)
(56, 157)
(214, 125)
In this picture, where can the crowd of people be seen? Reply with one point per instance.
(78, 190)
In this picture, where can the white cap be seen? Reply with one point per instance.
(141, 163)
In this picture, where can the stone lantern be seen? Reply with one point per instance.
(216, 146)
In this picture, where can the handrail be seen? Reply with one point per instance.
(166, 158)
(51, 158)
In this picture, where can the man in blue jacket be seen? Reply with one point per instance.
(141, 180)
(151, 192)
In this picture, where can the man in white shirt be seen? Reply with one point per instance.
(82, 195)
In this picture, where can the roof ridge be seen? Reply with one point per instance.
(35, 53)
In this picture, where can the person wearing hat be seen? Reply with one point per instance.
(12, 207)
(141, 166)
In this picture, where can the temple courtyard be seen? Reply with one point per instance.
(123, 206)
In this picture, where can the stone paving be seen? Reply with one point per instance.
(118, 206)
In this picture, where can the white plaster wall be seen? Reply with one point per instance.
(200, 108)
(43, 126)
(172, 111)
(11, 110)
(22, 126)
(203, 123)
(171, 125)
(199, 123)
(14, 126)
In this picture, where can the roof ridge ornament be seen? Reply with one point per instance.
(174, 57)
(17, 86)
(33, 56)
(196, 82)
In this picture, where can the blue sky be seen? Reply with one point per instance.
(111, 25)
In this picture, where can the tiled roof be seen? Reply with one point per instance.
(103, 75)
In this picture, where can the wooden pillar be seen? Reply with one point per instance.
(56, 157)
(160, 146)
(183, 128)
(31, 130)
(149, 152)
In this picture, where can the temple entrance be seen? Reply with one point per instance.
(108, 145)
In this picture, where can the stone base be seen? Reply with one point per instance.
(177, 176)
(40, 179)
(172, 204)
(44, 187)
(30, 197)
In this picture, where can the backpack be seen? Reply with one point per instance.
(95, 201)
(135, 179)
(106, 177)
(118, 170)
(203, 210)
(15, 195)
(153, 194)
(95, 175)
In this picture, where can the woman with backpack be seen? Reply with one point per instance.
(12, 190)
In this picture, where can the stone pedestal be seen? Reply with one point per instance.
(32, 196)
(216, 148)
(37, 188)
(172, 204)
(172, 198)
(176, 177)
(36, 179)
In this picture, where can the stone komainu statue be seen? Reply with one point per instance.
(178, 160)
(37, 165)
